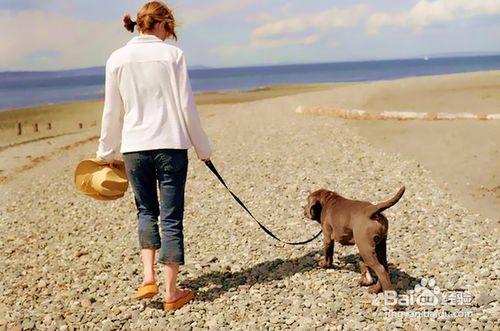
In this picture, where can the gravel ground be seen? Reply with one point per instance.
(69, 262)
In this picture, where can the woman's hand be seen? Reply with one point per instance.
(104, 162)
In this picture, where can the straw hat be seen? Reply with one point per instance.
(100, 181)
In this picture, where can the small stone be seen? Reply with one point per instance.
(484, 299)
(28, 325)
(475, 325)
(47, 319)
(80, 254)
(85, 303)
(484, 272)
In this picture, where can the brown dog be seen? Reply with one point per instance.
(354, 222)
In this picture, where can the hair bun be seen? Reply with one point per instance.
(149, 15)
(128, 23)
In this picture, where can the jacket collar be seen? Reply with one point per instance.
(145, 38)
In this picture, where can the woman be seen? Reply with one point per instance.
(149, 107)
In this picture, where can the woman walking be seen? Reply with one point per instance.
(149, 108)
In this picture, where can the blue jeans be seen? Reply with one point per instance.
(167, 169)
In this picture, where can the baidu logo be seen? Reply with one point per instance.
(426, 293)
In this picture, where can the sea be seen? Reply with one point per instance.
(23, 88)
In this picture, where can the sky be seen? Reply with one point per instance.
(63, 34)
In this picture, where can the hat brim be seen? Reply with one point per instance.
(98, 196)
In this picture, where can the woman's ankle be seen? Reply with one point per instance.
(148, 281)
(172, 295)
(175, 295)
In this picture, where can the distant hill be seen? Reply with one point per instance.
(92, 71)
(197, 67)
(460, 54)
(76, 72)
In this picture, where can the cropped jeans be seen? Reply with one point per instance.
(165, 169)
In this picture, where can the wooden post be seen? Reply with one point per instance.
(35, 127)
(49, 126)
(80, 125)
(19, 129)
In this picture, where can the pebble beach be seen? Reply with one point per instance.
(68, 262)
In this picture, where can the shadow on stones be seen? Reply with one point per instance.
(220, 282)
(401, 280)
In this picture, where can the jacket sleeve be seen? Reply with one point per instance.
(112, 118)
(192, 120)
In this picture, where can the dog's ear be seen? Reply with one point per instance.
(314, 207)
(315, 211)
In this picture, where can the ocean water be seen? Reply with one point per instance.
(22, 89)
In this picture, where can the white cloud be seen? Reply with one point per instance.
(295, 29)
(228, 51)
(38, 39)
(322, 21)
(425, 13)
(298, 29)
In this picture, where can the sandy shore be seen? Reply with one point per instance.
(66, 117)
(70, 261)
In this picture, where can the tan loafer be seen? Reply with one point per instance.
(179, 302)
(146, 291)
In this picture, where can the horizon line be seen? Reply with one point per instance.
(205, 67)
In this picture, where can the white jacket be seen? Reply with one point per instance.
(149, 103)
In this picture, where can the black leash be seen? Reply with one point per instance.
(212, 168)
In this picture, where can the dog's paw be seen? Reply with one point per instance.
(364, 282)
(375, 288)
(365, 279)
(323, 264)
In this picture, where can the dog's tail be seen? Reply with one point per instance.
(380, 207)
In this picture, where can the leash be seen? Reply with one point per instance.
(212, 168)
